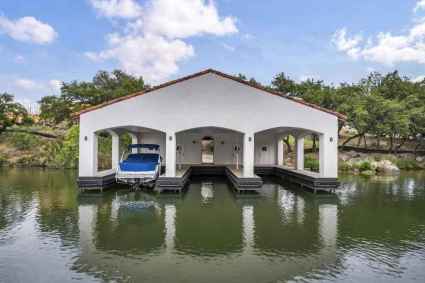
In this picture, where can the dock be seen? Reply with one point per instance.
(183, 174)
(305, 179)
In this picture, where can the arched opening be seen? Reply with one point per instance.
(289, 151)
(208, 145)
(293, 148)
(104, 151)
(112, 145)
(311, 153)
(207, 150)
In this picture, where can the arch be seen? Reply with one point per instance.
(129, 128)
(208, 127)
(272, 146)
(288, 130)
(221, 151)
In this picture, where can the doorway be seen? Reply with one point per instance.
(207, 150)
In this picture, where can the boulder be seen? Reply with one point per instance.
(420, 158)
(367, 173)
(386, 167)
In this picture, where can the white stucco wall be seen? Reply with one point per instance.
(223, 147)
(209, 101)
(268, 141)
(154, 138)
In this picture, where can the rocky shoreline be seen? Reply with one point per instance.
(378, 164)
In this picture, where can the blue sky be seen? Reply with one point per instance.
(44, 42)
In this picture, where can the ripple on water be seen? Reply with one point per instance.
(372, 230)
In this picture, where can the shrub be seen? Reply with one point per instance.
(66, 152)
(104, 151)
(310, 162)
(3, 160)
(365, 166)
(23, 141)
(344, 166)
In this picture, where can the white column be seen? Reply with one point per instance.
(279, 151)
(170, 154)
(248, 155)
(328, 155)
(88, 154)
(300, 153)
(115, 149)
(134, 140)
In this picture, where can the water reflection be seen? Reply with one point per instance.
(210, 234)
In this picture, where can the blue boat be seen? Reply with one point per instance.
(140, 165)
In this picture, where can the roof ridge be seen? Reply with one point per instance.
(204, 72)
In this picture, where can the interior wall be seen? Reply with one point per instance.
(154, 138)
(223, 147)
(268, 142)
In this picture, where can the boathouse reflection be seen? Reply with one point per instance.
(242, 227)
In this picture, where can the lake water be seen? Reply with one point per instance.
(371, 230)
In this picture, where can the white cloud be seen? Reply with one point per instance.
(117, 8)
(304, 78)
(386, 48)
(27, 84)
(418, 79)
(152, 44)
(420, 5)
(348, 45)
(154, 57)
(55, 86)
(185, 18)
(28, 29)
(228, 47)
(19, 59)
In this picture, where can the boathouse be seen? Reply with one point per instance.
(212, 123)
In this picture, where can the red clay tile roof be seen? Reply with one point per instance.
(212, 71)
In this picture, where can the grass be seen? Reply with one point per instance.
(311, 163)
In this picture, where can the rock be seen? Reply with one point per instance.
(374, 165)
(386, 167)
(420, 158)
(367, 173)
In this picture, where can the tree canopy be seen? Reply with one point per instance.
(390, 105)
(381, 105)
(11, 112)
(76, 95)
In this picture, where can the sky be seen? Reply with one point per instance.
(46, 42)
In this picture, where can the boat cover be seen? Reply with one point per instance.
(144, 145)
(139, 162)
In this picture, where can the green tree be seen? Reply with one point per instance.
(76, 95)
(55, 109)
(104, 87)
(11, 112)
(251, 80)
(282, 83)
